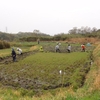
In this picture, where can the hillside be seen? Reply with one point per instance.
(21, 35)
(33, 36)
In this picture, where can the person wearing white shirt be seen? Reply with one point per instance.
(69, 48)
(57, 48)
(19, 51)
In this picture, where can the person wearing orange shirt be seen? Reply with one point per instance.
(83, 47)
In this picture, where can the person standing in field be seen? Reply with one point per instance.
(38, 40)
(13, 53)
(83, 47)
(69, 48)
(19, 51)
(57, 48)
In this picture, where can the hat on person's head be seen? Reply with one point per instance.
(12, 49)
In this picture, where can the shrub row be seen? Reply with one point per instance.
(4, 44)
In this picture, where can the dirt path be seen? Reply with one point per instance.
(8, 59)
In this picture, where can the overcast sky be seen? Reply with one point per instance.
(48, 16)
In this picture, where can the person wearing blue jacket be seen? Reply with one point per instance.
(13, 55)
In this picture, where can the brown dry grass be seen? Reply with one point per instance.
(96, 72)
(96, 83)
(83, 40)
(17, 93)
(33, 48)
(96, 51)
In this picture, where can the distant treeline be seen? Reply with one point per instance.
(62, 36)
(35, 35)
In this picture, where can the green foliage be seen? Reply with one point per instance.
(23, 44)
(31, 36)
(25, 92)
(94, 95)
(7, 37)
(69, 97)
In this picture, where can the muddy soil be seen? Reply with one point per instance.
(8, 59)
(34, 83)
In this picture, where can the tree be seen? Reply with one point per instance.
(73, 31)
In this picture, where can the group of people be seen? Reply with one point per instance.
(13, 53)
(57, 49)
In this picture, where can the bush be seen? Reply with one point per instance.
(4, 44)
(1, 45)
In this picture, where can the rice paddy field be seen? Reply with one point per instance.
(46, 70)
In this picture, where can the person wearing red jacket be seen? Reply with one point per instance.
(83, 47)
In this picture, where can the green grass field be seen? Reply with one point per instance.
(43, 72)
(43, 68)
